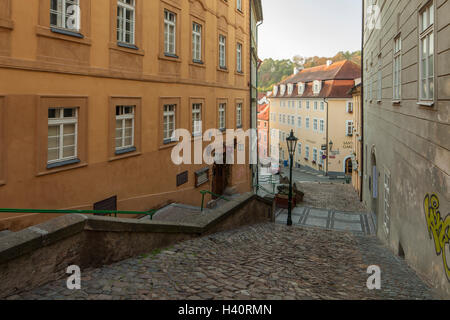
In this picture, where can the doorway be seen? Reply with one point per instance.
(348, 167)
(219, 179)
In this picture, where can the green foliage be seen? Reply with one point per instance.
(274, 71)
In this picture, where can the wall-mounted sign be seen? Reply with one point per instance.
(182, 178)
(324, 147)
(348, 145)
(332, 157)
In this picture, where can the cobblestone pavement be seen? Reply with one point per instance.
(265, 261)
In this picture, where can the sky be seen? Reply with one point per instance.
(309, 28)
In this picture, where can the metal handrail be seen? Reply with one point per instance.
(264, 189)
(204, 192)
(149, 213)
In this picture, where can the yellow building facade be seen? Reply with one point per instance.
(87, 112)
(316, 104)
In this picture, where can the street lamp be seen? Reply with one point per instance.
(291, 144)
(331, 145)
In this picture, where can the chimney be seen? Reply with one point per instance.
(296, 70)
(329, 63)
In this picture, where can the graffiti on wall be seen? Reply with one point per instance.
(438, 228)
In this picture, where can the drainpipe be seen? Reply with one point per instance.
(328, 150)
(361, 166)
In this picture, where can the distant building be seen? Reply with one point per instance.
(317, 105)
(407, 133)
(263, 131)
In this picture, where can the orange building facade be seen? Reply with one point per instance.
(88, 112)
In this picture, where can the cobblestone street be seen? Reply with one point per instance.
(265, 261)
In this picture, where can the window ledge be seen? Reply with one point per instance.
(170, 141)
(6, 24)
(426, 103)
(124, 155)
(67, 32)
(222, 69)
(169, 57)
(63, 163)
(127, 45)
(124, 151)
(119, 46)
(60, 34)
(240, 73)
(396, 102)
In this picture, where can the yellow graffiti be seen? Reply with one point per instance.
(438, 229)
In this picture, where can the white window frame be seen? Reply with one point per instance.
(239, 57)
(122, 8)
(307, 105)
(315, 154)
(123, 117)
(307, 152)
(239, 115)
(299, 121)
(299, 104)
(307, 123)
(222, 116)
(349, 107)
(239, 5)
(316, 105)
(68, 15)
(197, 119)
(60, 122)
(349, 128)
(397, 69)
(197, 30)
(301, 88)
(222, 51)
(322, 106)
(316, 125)
(170, 32)
(169, 112)
(322, 126)
(426, 34)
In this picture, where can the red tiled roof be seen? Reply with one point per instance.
(264, 113)
(337, 79)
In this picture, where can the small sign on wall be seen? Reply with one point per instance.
(182, 178)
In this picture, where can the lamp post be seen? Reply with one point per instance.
(291, 144)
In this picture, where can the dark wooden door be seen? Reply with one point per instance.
(219, 179)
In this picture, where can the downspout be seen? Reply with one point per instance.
(256, 120)
(362, 168)
(328, 150)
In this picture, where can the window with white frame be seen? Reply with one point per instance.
(275, 90)
(239, 115)
(307, 105)
(239, 5)
(299, 149)
(349, 128)
(315, 105)
(387, 205)
(196, 119)
(315, 155)
(307, 123)
(281, 118)
(380, 79)
(222, 52)
(397, 72)
(169, 122)
(222, 116)
(283, 89)
(239, 57)
(126, 21)
(322, 126)
(321, 153)
(299, 122)
(290, 88)
(170, 29)
(322, 106)
(65, 14)
(307, 152)
(62, 134)
(301, 88)
(196, 42)
(125, 127)
(284, 118)
(426, 38)
(349, 107)
(317, 86)
(316, 125)
(300, 104)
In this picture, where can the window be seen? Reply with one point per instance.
(321, 153)
(307, 105)
(299, 104)
(380, 79)
(301, 88)
(349, 128)
(317, 87)
(196, 119)
(222, 52)
(299, 122)
(283, 89)
(299, 149)
(239, 5)
(315, 105)
(427, 53)
(349, 107)
(126, 21)
(239, 57)
(222, 116)
(62, 134)
(284, 118)
(275, 90)
(315, 155)
(125, 116)
(65, 14)
(169, 32)
(281, 118)
(315, 125)
(397, 72)
(322, 126)
(290, 88)
(169, 122)
(307, 123)
(239, 116)
(307, 153)
(196, 42)
(322, 106)
(387, 187)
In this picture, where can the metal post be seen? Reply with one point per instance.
(289, 221)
